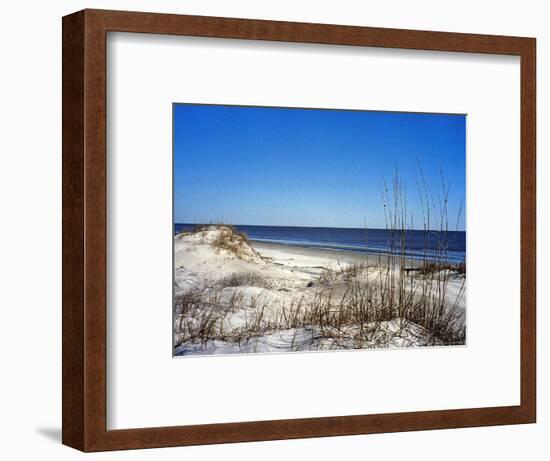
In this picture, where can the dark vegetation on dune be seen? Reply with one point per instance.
(346, 308)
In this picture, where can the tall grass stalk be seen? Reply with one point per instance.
(394, 301)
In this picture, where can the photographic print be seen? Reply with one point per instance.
(299, 229)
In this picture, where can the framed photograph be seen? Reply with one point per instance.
(279, 230)
(329, 257)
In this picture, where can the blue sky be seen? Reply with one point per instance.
(309, 167)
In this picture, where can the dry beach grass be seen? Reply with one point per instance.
(233, 296)
(350, 306)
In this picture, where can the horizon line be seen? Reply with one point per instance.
(314, 227)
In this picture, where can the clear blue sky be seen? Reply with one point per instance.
(309, 167)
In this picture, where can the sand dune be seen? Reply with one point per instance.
(234, 296)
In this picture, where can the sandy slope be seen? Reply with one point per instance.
(273, 277)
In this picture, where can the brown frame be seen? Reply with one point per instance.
(84, 229)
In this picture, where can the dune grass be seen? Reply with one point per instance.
(355, 306)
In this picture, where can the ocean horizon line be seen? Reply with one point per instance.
(313, 227)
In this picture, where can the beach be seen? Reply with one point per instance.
(233, 295)
(312, 256)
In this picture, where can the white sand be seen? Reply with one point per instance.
(286, 274)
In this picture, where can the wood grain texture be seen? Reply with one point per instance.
(528, 230)
(85, 244)
(73, 231)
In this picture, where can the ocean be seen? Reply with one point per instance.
(419, 244)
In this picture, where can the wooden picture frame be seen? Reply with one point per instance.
(85, 221)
